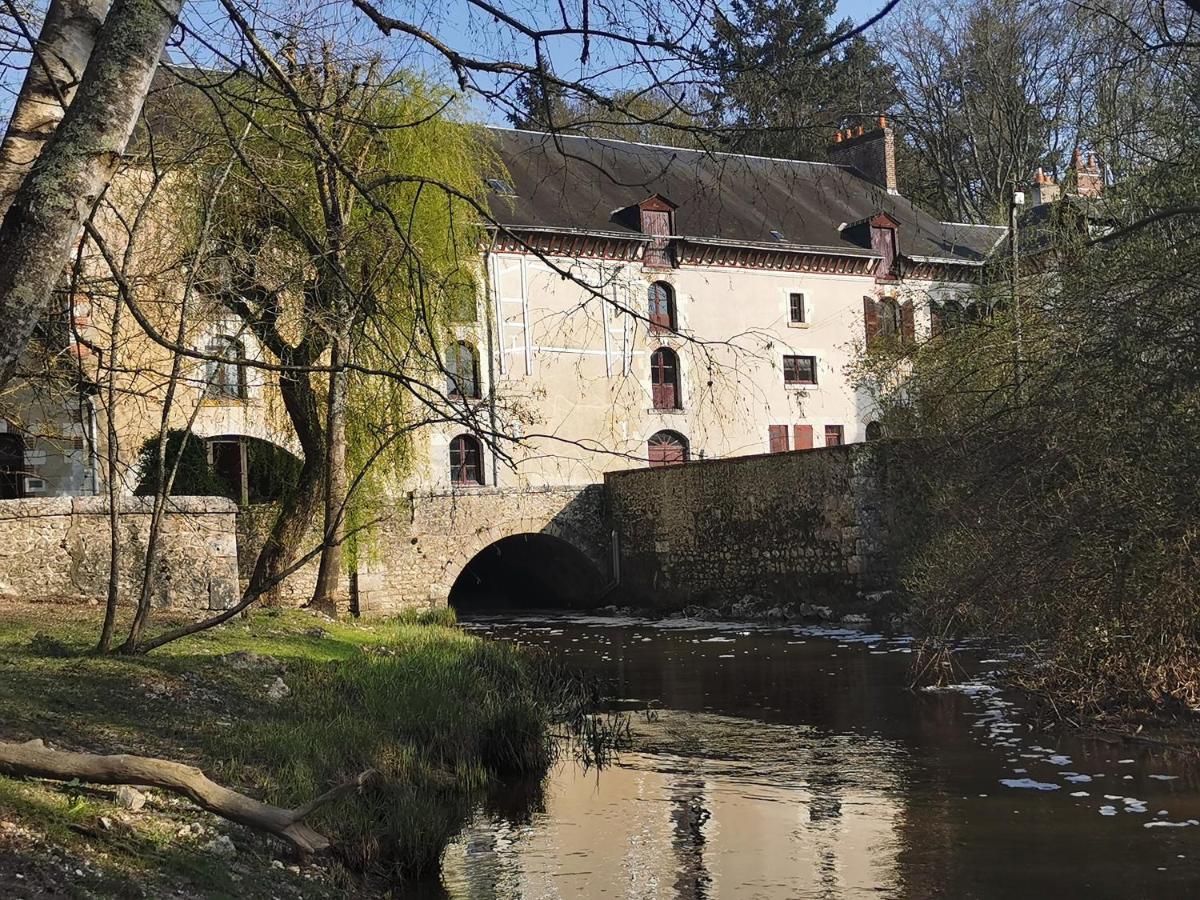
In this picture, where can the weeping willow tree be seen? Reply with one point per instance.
(343, 242)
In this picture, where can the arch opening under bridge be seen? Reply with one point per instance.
(528, 571)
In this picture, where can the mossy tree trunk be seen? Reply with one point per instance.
(76, 165)
(60, 55)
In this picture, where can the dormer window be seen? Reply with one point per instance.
(500, 186)
(883, 242)
(656, 218)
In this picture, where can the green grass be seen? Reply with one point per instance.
(439, 714)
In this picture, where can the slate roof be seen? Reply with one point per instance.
(573, 183)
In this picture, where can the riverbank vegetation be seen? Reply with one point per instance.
(1054, 496)
(281, 707)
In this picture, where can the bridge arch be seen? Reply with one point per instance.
(535, 570)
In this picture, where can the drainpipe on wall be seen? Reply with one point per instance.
(491, 348)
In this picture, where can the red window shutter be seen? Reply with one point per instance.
(871, 318)
(834, 435)
(778, 437)
(908, 322)
(803, 437)
(664, 379)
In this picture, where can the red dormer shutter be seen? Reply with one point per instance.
(655, 220)
(883, 242)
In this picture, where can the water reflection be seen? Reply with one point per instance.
(788, 764)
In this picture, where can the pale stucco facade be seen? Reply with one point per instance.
(569, 365)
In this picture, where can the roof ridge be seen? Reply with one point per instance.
(588, 137)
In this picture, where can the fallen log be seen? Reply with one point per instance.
(35, 759)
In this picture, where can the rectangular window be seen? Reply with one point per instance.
(778, 437)
(796, 309)
(226, 373)
(834, 435)
(799, 370)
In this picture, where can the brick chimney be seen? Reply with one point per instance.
(872, 153)
(1044, 188)
(1088, 178)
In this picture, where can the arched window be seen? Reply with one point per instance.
(227, 374)
(462, 371)
(874, 431)
(666, 448)
(664, 379)
(662, 307)
(466, 460)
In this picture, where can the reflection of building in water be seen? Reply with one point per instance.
(803, 812)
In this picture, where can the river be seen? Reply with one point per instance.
(794, 763)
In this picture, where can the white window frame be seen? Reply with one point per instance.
(787, 308)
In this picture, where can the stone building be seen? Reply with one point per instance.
(641, 305)
(650, 304)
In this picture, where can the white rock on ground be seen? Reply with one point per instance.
(278, 690)
(130, 798)
(221, 846)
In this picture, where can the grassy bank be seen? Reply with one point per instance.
(440, 714)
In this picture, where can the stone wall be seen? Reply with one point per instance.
(792, 528)
(413, 556)
(57, 550)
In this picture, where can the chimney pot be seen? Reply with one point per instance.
(872, 153)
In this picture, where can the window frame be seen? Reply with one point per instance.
(236, 388)
(840, 431)
(664, 360)
(792, 297)
(657, 326)
(677, 438)
(470, 452)
(788, 357)
(453, 369)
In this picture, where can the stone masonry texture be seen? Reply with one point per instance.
(57, 550)
(799, 527)
(412, 558)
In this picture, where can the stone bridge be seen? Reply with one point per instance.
(532, 547)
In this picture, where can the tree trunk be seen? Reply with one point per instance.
(34, 759)
(60, 55)
(327, 591)
(76, 165)
(299, 507)
(113, 453)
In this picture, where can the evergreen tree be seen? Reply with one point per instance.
(777, 92)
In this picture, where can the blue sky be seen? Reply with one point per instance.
(457, 24)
